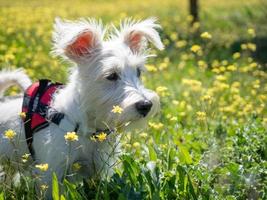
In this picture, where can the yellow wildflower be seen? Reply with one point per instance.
(136, 145)
(181, 43)
(100, 137)
(162, 91)
(195, 48)
(42, 167)
(221, 78)
(231, 68)
(251, 32)
(174, 36)
(71, 136)
(202, 64)
(201, 116)
(163, 65)
(236, 55)
(251, 46)
(25, 157)
(10, 134)
(206, 35)
(206, 97)
(117, 109)
(244, 46)
(44, 187)
(76, 166)
(151, 68)
(156, 126)
(173, 118)
(175, 102)
(194, 85)
(143, 135)
(22, 115)
(189, 18)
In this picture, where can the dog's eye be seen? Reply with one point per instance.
(113, 77)
(138, 72)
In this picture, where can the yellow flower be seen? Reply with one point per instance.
(22, 115)
(76, 166)
(173, 118)
(221, 78)
(206, 35)
(173, 36)
(156, 126)
(100, 137)
(231, 68)
(207, 98)
(117, 109)
(236, 55)
(194, 85)
(181, 43)
(196, 48)
(162, 91)
(251, 32)
(10, 134)
(151, 68)
(244, 46)
(251, 46)
(175, 102)
(136, 145)
(71, 136)
(44, 187)
(25, 157)
(143, 135)
(163, 66)
(201, 116)
(189, 18)
(42, 167)
(202, 64)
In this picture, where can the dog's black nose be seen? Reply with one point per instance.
(143, 107)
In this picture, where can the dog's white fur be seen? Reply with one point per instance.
(88, 97)
(9, 78)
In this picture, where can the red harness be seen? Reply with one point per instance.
(36, 106)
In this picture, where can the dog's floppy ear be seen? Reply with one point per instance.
(77, 40)
(135, 34)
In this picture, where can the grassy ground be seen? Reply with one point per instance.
(209, 142)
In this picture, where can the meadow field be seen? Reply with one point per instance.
(209, 141)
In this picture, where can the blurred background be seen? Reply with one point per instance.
(26, 25)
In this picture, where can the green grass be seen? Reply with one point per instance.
(183, 155)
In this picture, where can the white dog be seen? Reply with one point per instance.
(106, 73)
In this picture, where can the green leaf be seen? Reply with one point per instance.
(191, 188)
(72, 190)
(62, 197)
(171, 155)
(152, 154)
(185, 155)
(131, 169)
(55, 189)
(2, 196)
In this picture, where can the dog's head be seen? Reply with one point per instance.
(108, 71)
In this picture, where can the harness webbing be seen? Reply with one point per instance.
(36, 102)
(36, 105)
